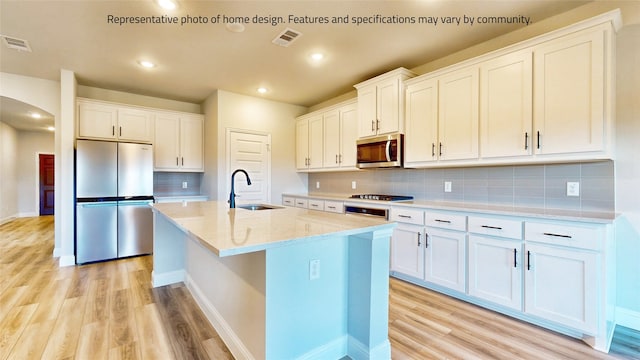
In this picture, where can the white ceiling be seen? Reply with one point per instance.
(195, 59)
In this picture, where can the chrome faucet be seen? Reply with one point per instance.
(232, 195)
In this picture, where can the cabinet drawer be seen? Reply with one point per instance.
(315, 204)
(584, 237)
(302, 203)
(407, 216)
(506, 228)
(334, 206)
(288, 201)
(446, 221)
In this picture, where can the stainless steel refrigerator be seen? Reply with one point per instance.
(114, 191)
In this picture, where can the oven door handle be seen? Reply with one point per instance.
(388, 150)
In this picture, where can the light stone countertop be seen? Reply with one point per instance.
(481, 209)
(237, 231)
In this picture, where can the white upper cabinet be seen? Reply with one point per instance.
(421, 116)
(179, 142)
(506, 106)
(458, 115)
(340, 134)
(570, 75)
(309, 138)
(106, 121)
(381, 103)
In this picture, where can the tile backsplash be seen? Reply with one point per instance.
(532, 186)
(170, 183)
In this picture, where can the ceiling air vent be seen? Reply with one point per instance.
(286, 37)
(16, 44)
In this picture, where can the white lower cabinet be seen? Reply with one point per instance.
(407, 250)
(445, 258)
(495, 270)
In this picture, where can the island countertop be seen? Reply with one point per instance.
(238, 231)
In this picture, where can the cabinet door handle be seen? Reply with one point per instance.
(558, 235)
(528, 260)
(336, 158)
(526, 141)
(405, 216)
(340, 158)
(426, 240)
(113, 130)
(515, 258)
(443, 221)
(419, 243)
(491, 227)
(538, 139)
(120, 132)
(182, 161)
(440, 149)
(433, 149)
(373, 126)
(377, 124)
(177, 161)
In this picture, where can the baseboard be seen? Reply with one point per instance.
(335, 349)
(167, 278)
(233, 342)
(67, 260)
(7, 219)
(358, 350)
(628, 318)
(28, 214)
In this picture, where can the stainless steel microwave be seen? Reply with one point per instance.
(380, 151)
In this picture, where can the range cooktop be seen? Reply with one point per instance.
(382, 197)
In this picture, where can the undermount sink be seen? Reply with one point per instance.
(254, 207)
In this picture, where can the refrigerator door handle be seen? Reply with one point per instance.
(98, 204)
(135, 203)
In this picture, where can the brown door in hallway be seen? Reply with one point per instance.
(46, 184)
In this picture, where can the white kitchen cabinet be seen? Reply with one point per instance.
(445, 258)
(309, 142)
(407, 250)
(572, 83)
(421, 123)
(568, 274)
(495, 260)
(107, 121)
(340, 134)
(458, 115)
(381, 103)
(442, 118)
(506, 103)
(179, 142)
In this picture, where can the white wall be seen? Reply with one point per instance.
(30, 145)
(8, 173)
(228, 110)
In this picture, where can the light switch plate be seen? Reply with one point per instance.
(314, 269)
(447, 186)
(353, 185)
(184, 184)
(573, 188)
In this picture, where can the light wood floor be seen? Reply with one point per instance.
(108, 311)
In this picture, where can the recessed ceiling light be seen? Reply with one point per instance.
(317, 56)
(167, 4)
(146, 64)
(51, 128)
(36, 115)
(262, 90)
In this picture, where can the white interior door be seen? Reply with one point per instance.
(250, 151)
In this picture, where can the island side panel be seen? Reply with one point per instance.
(368, 295)
(307, 317)
(231, 292)
(168, 252)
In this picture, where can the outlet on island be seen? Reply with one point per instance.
(184, 185)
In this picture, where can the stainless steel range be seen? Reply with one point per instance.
(370, 209)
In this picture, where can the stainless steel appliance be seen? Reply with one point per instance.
(114, 191)
(373, 209)
(380, 151)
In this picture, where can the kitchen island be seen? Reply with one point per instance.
(283, 283)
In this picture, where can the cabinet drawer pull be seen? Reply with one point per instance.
(405, 216)
(443, 221)
(515, 258)
(314, 205)
(558, 235)
(331, 207)
(528, 260)
(491, 227)
(419, 240)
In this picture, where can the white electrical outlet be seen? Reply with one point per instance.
(447, 186)
(573, 188)
(314, 269)
(317, 184)
(184, 184)
(353, 185)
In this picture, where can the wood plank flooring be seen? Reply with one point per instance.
(109, 311)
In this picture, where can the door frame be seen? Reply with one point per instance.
(37, 180)
(228, 132)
